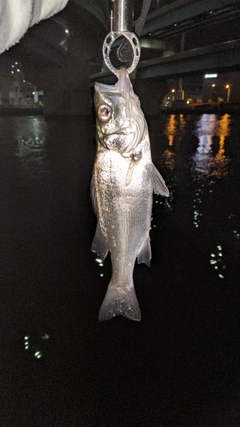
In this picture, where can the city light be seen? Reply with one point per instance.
(211, 76)
(228, 92)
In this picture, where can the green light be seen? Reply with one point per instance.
(38, 354)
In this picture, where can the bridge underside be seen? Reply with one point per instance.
(63, 54)
(222, 57)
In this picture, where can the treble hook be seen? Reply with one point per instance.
(121, 26)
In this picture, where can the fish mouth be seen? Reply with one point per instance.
(106, 89)
(123, 84)
(120, 131)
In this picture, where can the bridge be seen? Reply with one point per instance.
(62, 55)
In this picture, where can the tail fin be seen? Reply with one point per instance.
(120, 301)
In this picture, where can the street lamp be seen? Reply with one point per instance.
(228, 92)
(212, 93)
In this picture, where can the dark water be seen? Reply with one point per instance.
(181, 365)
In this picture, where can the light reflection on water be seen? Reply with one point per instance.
(174, 126)
(31, 140)
(209, 129)
(36, 344)
(217, 261)
(205, 162)
(100, 263)
(208, 163)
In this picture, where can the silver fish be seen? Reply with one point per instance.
(124, 179)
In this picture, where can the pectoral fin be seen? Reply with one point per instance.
(145, 253)
(159, 186)
(99, 245)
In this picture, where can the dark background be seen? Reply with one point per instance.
(180, 365)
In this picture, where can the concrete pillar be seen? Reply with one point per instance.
(66, 91)
(150, 93)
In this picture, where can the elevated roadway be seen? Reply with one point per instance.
(58, 54)
(218, 57)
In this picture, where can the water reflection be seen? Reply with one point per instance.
(217, 261)
(100, 262)
(170, 159)
(175, 127)
(205, 164)
(221, 160)
(31, 141)
(35, 344)
(198, 193)
(171, 129)
(175, 130)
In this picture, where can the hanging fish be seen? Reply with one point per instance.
(124, 179)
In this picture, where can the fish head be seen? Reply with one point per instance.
(119, 119)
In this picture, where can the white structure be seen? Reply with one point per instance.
(17, 93)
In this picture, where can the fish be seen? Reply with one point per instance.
(123, 181)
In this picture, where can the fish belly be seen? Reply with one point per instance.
(124, 215)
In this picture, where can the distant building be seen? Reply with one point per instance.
(17, 93)
(225, 86)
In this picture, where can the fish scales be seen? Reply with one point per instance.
(123, 182)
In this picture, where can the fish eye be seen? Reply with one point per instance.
(104, 113)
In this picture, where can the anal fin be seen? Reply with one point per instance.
(145, 253)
